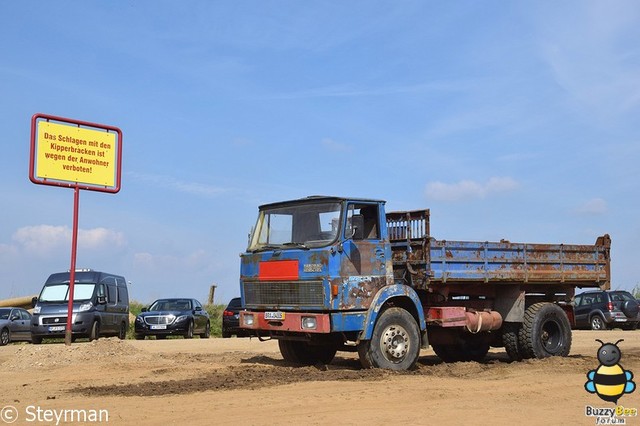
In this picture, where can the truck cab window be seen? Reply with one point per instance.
(369, 213)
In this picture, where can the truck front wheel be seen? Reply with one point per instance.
(545, 331)
(395, 343)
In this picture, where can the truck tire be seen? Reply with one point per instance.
(395, 343)
(597, 323)
(545, 331)
(510, 331)
(303, 353)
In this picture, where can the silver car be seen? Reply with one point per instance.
(15, 324)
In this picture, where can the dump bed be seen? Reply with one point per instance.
(440, 261)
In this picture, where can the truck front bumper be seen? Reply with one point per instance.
(290, 321)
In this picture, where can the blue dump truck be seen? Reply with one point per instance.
(328, 274)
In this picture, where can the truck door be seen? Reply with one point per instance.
(365, 256)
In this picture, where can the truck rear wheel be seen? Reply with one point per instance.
(395, 343)
(545, 332)
(303, 353)
(510, 331)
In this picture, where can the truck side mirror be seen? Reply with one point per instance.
(34, 301)
(102, 300)
(357, 227)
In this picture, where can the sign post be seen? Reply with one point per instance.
(75, 154)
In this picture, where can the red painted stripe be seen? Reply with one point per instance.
(278, 270)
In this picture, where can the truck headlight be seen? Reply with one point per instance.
(248, 320)
(309, 323)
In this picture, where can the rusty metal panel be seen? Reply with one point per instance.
(584, 265)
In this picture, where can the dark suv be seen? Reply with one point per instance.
(230, 321)
(600, 310)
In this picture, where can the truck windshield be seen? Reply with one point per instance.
(60, 292)
(297, 226)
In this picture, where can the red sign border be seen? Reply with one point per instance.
(72, 184)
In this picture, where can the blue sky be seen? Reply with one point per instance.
(508, 120)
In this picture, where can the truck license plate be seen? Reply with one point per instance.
(277, 316)
(158, 327)
(57, 328)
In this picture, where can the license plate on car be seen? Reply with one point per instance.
(158, 327)
(57, 328)
(277, 316)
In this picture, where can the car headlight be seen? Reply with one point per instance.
(36, 310)
(85, 307)
(181, 318)
(139, 319)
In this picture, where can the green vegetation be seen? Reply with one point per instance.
(215, 315)
(636, 291)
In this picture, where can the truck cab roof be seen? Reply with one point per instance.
(320, 198)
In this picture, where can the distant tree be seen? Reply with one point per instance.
(636, 291)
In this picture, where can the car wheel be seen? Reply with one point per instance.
(95, 331)
(36, 340)
(189, 333)
(123, 331)
(597, 323)
(5, 338)
(207, 331)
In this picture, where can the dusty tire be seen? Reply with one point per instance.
(303, 353)
(36, 340)
(545, 332)
(207, 331)
(447, 353)
(510, 331)
(189, 333)
(395, 343)
(5, 337)
(122, 334)
(597, 323)
(94, 334)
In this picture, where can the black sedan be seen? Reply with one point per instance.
(230, 319)
(165, 317)
(15, 324)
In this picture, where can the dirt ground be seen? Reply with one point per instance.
(242, 381)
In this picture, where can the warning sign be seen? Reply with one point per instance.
(70, 153)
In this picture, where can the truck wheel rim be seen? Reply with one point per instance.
(5, 337)
(551, 336)
(395, 343)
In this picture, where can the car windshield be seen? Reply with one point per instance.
(60, 292)
(296, 226)
(4, 314)
(171, 305)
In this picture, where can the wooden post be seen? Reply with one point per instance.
(212, 291)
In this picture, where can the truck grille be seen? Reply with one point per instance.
(283, 293)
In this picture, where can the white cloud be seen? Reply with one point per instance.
(44, 239)
(168, 182)
(469, 189)
(334, 146)
(593, 207)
